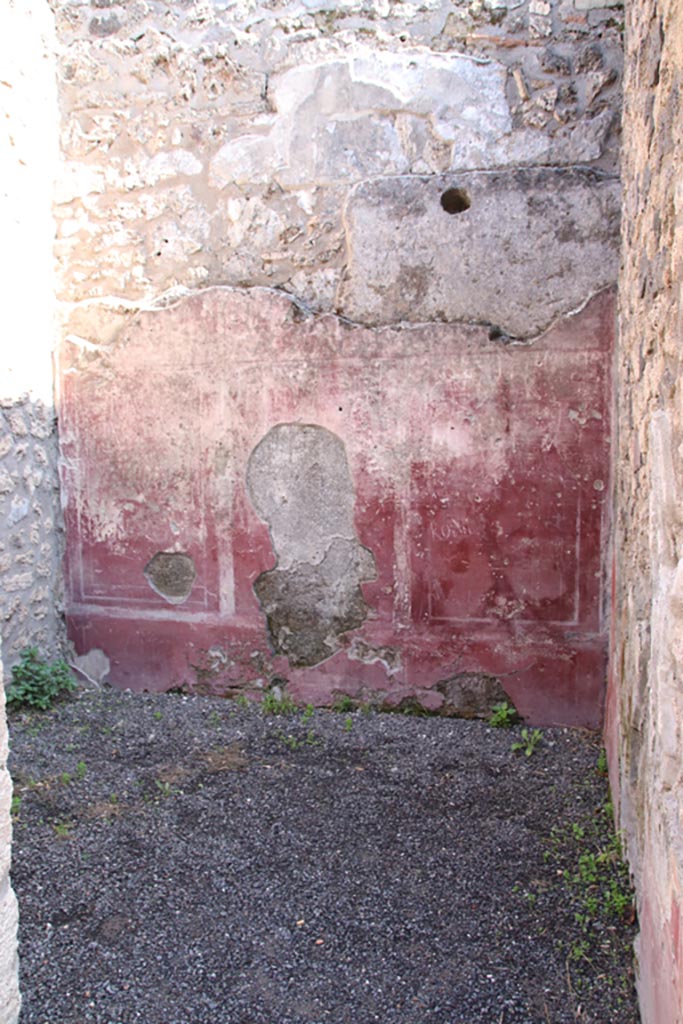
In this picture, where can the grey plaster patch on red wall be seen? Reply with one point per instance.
(299, 482)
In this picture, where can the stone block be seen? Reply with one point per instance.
(589, 5)
(513, 249)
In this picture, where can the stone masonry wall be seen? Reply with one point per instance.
(442, 165)
(217, 142)
(10, 999)
(645, 713)
(30, 534)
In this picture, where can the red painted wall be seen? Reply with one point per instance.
(481, 475)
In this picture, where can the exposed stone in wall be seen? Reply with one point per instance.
(30, 537)
(522, 249)
(299, 482)
(471, 695)
(30, 529)
(171, 574)
(645, 720)
(216, 143)
(10, 999)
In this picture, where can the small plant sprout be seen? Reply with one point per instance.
(601, 766)
(348, 723)
(530, 739)
(15, 806)
(62, 829)
(276, 702)
(343, 703)
(290, 741)
(503, 715)
(36, 683)
(308, 713)
(81, 770)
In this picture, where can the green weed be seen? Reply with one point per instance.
(589, 865)
(585, 860)
(36, 683)
(503, 715)
(297, 742)
(601, 766)
(579, 950)
(530, 739)
(600, 880)
(343, 703)
(307, 713)
(277, 703)
(290, 741)
(36, 727)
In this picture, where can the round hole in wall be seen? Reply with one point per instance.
(455, 200)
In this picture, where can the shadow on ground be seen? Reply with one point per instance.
(189, 861)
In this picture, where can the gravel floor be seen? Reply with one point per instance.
(186, 860)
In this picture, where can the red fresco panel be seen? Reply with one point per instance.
(481, 480)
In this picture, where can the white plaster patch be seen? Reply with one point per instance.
(336, 119)
(248, 158)
(170, 164)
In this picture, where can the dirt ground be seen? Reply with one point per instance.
(184, 860)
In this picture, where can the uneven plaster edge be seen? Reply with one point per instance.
(509, 169)
(172, 298)
(598, 174)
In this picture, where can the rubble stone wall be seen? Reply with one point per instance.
(213, 142)
(645, 710)
(30, 517)
(10, 1000)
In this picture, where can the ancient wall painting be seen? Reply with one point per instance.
(254, 493)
